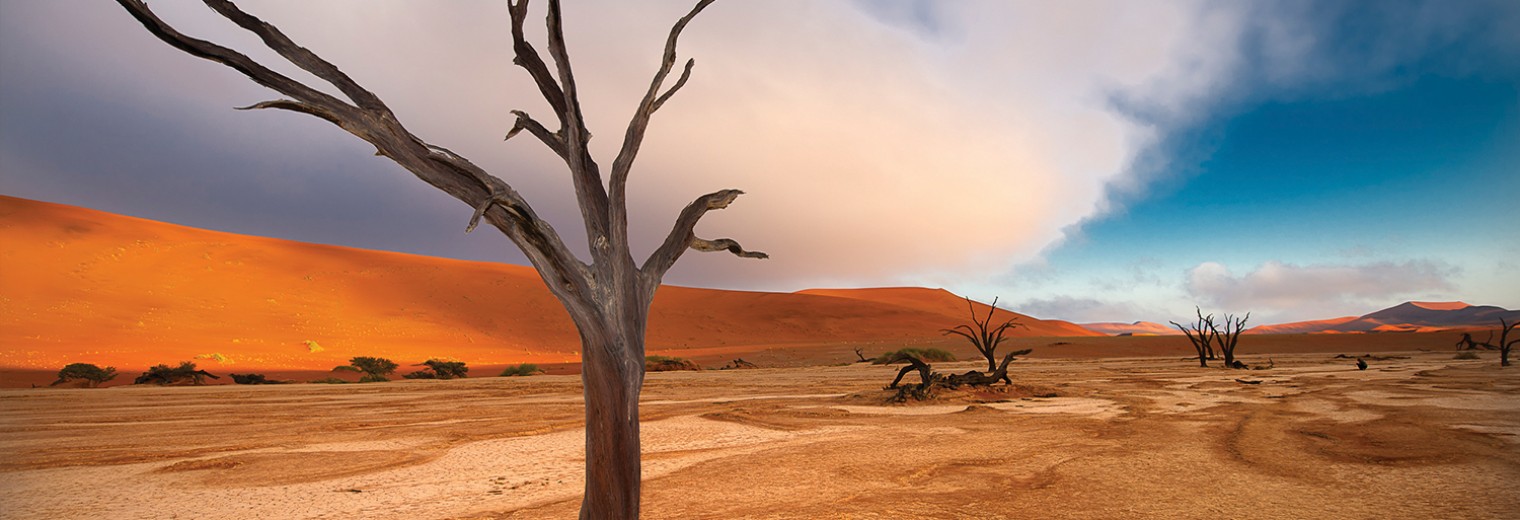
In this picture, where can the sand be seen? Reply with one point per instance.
(1423, 437)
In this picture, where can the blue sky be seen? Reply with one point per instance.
(1419, 180)
(1090, 161)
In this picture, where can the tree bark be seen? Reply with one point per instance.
(612, 377)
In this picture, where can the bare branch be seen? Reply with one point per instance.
(296, 106)
(573, 125)
(590, 194)
(527, 57)
(231, 58)
(550, 139)
(685, 75)
(725, 244)
(633, 138)
(682, 235)
(969, 334)
(300, 56)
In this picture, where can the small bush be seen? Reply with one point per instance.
(165, 375)
(440, 369)
(330, 381)
(92, 375)
(1466, 354)
(667, 364)
(925, 354)
(525, 369)
(374, 368)
(254, 379)
(374, 365)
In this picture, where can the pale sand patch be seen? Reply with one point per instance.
(1333, 411)
(931, 409)
(1452, 399)
(1084, 406)
(1510, 433)
(1095, 408)
(742, 398)
(490, 475)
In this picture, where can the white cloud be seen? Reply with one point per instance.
(1088, 310)
(1276, 291)
(942, 141)
(872, 152)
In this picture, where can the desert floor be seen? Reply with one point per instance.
(1418, 435)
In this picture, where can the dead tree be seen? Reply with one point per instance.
(608, 298)
(738, 363)
(985, 336)
(1505, 344)
(975, 378)
(926, 375)
(860, 355)
(1230, 338)
(1202, 336)
(1467, 343)
(929, 379)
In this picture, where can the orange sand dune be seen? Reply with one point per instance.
(1139, 328)
(80, 285)
(947, 304)
(1303, 327)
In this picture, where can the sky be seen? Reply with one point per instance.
(1086, 160)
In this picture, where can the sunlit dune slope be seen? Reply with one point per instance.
(1139, 328)
(78, 285)
(950, 306)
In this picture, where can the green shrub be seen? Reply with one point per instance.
(525, 369)
(925, 354)
(667, 363)
(92, 375)
(440, 369)
(165, 375)
(330, 381)
(374, 368)
(1466, 354)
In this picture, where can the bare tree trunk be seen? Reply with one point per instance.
(612, 378)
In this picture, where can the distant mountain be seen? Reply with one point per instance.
(1404, 317)
(1139, 328)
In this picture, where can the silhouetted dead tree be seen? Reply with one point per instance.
(738, 363)
(975, 378)
(861, 356)
(1505, 344)
(608, 299)
(931, 379)
(1467, 343)
(984, 336)
(1202, 336)
(926, 375)
(1230, 338)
